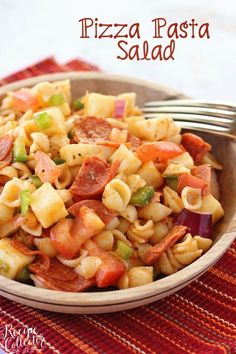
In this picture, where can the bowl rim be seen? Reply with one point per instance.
(113, 297)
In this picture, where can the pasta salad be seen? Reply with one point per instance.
(94, 195)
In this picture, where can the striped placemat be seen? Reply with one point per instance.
(201, 318)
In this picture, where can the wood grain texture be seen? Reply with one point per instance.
(102, 302)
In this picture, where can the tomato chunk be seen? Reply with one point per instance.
(24, 100)
(187, 180)
(159, 150)
(99, 208)
(68, 235)
(111, 268)
(93, 176)
(195, 145)
(203, 172)
(45, 168)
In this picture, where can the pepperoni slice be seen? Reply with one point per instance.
(104, 214)
(57, 271)
(169, 240)
(45, 168)
(78, 285)
(92, 129)
(5, 147)
(60, 277)
(23, 100)
(195, 145)
(43, 262)
(93, 176)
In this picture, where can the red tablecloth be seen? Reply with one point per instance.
(200, 319)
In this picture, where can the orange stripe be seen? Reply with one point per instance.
(159, 333)
(208, 343)
(68, 335)
(214, 290)
(212, 298)
(188, 314)
(223, 275)
(200, 312)
(232, 253)
(111, 333)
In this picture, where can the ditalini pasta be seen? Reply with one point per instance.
(94, 195)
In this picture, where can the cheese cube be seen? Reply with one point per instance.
(74, 154)
(12, 261)
(129, 162)
(151, 175)
(47, 205)
(98, 105)
(57, 125)
(212, 206)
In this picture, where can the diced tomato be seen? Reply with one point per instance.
(159, 150)
(60, 277)
(92, 129)
(45, 168)
(99, 208)
(24, 100)
(111, 268)
(68, 235)
(195, 145)
(203, 172)
(187, 180)
(93, 176)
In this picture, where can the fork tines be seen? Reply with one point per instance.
(196, 115)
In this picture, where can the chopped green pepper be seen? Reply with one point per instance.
(142, 196)
(123, 250)
(77, 104)
(43, 120)
(36, 181)
(25, 199)
(56, 100)
(172, 182)
(59, 161)
(19, 151)
(23, 275)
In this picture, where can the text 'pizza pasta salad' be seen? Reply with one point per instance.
(94, 195)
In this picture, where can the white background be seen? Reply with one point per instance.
(31, 30)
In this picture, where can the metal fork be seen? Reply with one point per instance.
(215, 117)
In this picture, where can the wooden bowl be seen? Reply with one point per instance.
(111, 301)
